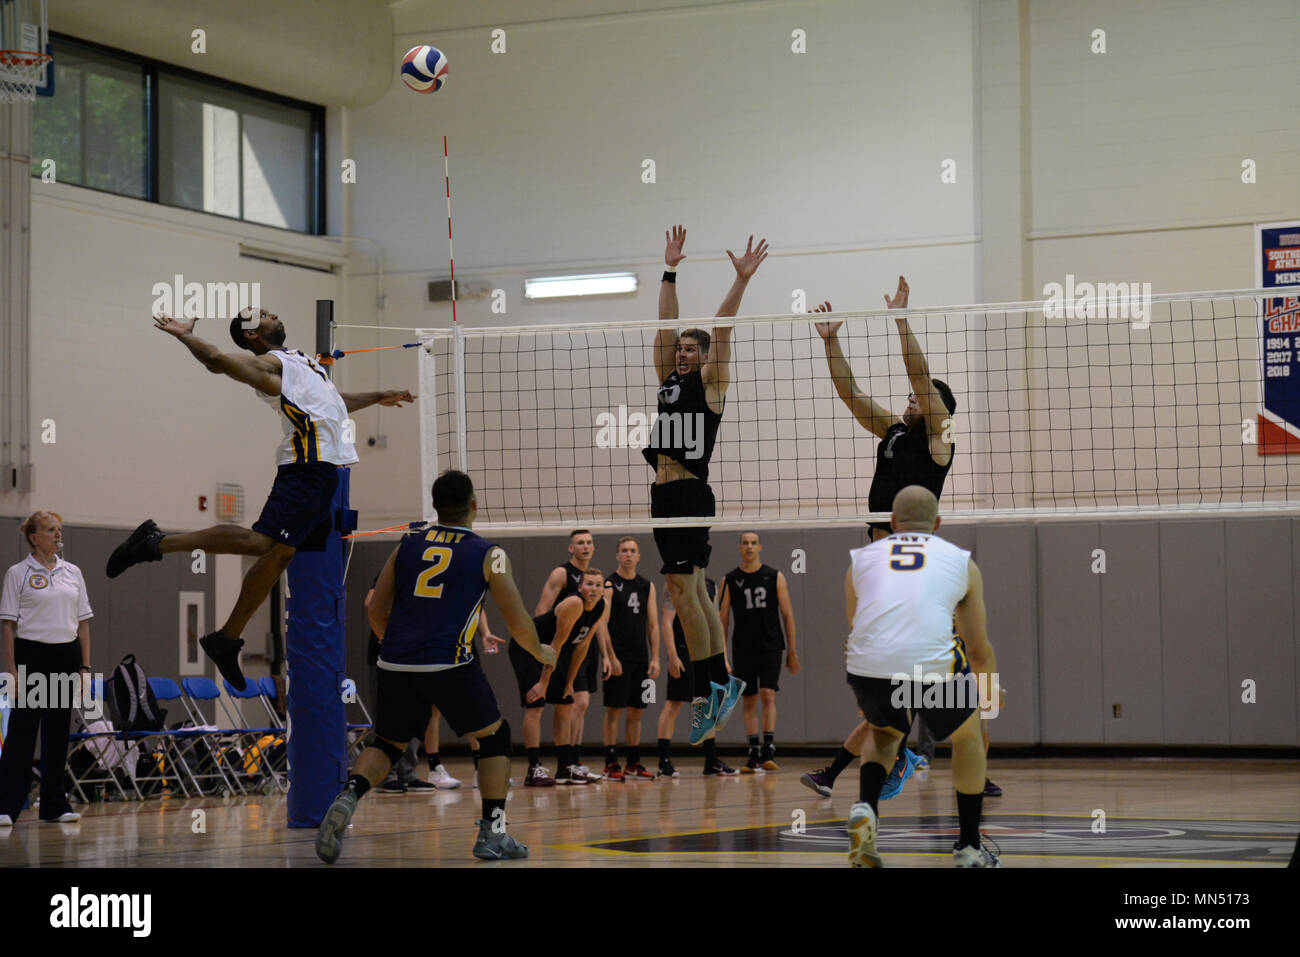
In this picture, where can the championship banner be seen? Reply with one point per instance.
(1277, 263)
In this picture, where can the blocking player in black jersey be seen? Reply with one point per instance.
(562, 582)
(630, 643)
(760, 599)
(568, 628)
(916, 448)
(694, 369)
(425, 610)
(681, 690)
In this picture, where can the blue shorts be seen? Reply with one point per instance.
(298, 512)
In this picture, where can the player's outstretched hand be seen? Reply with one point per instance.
(900, 298)
(396, 397)
(827, 329)
(747, 264)
(673, 248)
(174, 327)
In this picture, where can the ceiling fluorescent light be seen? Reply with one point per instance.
(600, 284)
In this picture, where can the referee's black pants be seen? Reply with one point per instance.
(38, 657)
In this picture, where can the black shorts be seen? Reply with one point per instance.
(626, 690)
(298, 511)
(405, 699)
(588, 676)
(528, 671)
(683, 688)
(682, 549)
(757, 667)
(877, 697)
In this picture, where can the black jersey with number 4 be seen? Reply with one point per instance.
(628, 628)
(755, 608)
(685, 428)
(902, 459)
(679, 636)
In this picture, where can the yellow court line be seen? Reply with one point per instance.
(1105, 859)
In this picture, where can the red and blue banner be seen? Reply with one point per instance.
(1277, 257)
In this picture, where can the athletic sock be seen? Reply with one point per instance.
(718, 670)
(577, 753)
(664, 749)
(359, 784)
(490, 805)
(710, 752)
(769, 742)
(871, 779)
(534, 756)
(435, 759)
(634, 754)
(969, 809)
(842, 761)
(700, 678)
(753, 744)
(611, 755)
(475, 757)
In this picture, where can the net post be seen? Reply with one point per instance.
(325, 331)
(427, 377)
(458, 357)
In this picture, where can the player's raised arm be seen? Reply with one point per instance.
(554, 585)
(381, 597)
(261, 372)
(918, 369)
(666, 339)
(361, 400)
(501, 583)
(871, 415)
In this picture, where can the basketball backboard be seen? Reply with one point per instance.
(24, 28)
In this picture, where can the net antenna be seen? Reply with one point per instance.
(24, 45)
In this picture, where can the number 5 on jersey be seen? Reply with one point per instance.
(441, 558)
(912, 557)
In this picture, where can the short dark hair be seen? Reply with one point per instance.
(749, 532)
(629, 538)
(578, 531)
(945, 393)
(699, 335)
(453, 493)
(237, 330)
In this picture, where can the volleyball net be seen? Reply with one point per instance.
(1116, 406)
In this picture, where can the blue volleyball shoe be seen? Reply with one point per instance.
(903, 767)
(731, 697)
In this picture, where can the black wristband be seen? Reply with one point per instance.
(670, 277)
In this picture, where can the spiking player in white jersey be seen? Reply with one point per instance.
(297, 512)
(901, 596)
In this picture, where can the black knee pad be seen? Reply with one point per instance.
(391, 751)
(496, 744)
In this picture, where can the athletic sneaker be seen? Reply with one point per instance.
(903, 767)
(751, 765)
(731, 697)
(67, 817)
(991, 790)
(415, 784)
(862, 837)
(719, 768)
(974, 857)
(224, 652)
(768, 760)
(704, 713)
(440, 779)
(6, 821)
(922, 763)
(638, 772)
(666, 770)
(614, 772)
(392, 786)
(140, 546)
(819, 781)
(538, 777)
(583, 771)
(329, 839)
(493, 846)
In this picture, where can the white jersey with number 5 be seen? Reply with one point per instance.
(908, 586)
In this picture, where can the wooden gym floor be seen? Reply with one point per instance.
(1157, 813)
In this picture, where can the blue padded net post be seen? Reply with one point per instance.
(316, 650)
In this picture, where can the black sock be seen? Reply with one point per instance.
(700, 677)
(475, 756)
(969, 809)
(576, 751)
(710, 752)
(435, 759)
(753, 743)
(870, 781)
(842, 761)
(359, 784)
(490, 805)
(769, 742)
(534, 756)
(611, 755)
(718, 670)
(634, 754)
(664, 752)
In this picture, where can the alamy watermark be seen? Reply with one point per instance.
(917, 691)
(60, 692)
(633, 430)
(206, 300)
(1102, 300)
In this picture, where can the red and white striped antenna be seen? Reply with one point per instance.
(451, 256)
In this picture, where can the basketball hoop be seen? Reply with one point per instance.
(20, 72)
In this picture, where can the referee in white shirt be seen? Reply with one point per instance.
(45, 618)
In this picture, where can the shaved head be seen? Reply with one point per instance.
(915, 510)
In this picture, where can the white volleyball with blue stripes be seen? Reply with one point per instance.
(424, 69)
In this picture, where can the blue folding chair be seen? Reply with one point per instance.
(256, 743)
(103, 748)
(224, 757)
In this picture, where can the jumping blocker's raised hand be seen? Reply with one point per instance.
(749, 262)
(900, 298)
(673, 248)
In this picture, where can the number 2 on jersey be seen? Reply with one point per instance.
(441, 558)
(915, 553)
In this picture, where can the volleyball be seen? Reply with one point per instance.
(424, 69)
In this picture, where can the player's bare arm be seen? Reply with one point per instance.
(787, 619)
(871, 415)
(675, 666)
(716, 373)
(850, 597)
(724, 612)
(554, 585)
(381, 601)
(652, 613)
(610, 665)
(261, 372)
(665, 347)
(972, 625)
(501, 583)
(389, 397)
(918, 376)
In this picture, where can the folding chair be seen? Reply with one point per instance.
(103, 748)
(357, 730)
(268, 695)
(254, 743)
(225, 752)
(161, 756)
